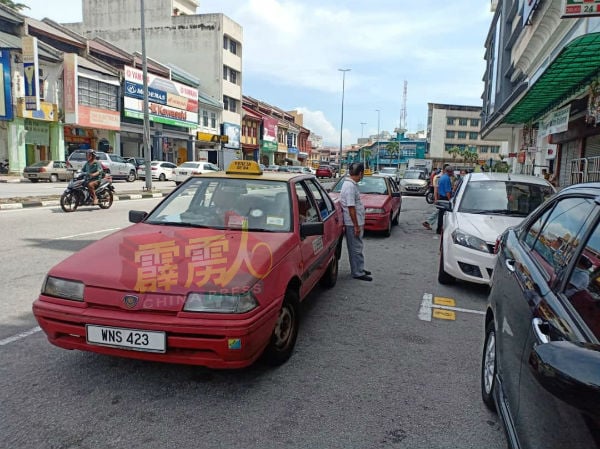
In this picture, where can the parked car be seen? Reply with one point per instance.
(112, 164)
(484, 205)
(393, 172)
(540, 366)
(51, 171)
(325, 171)
(137, 162)
(415, 182)
(161, 170)
(272, 168)
(300, 169)
(190, 168)
(213, 276)
(382, 199)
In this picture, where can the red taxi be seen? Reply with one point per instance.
(212, 276)
(382, 200)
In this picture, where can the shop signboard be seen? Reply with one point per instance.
(48, 112)
(70, 87)
(6, 111)
(169, 102)
(232, 131)
(555, 122)
(31, 73)
(38, 133)
(580, 8)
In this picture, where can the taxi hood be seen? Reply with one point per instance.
(176, 260)
(373, 200)
(486, 227)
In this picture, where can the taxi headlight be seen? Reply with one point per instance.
(63, 288)
(374, 210)
(220, 303)
(469, 241)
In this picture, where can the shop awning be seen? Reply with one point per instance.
(570, 72)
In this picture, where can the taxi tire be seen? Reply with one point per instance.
(488, 367)
(388, 231)
(283, 339)
(330, 276)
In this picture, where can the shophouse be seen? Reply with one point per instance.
(541, 87)
(207, 46)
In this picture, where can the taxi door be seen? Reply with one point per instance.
(312, 248)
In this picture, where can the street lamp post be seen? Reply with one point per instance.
(378, 112)
(342, 121)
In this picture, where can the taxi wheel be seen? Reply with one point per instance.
(388, 231)
(285, 332)
(488, 367)
(396, 220)
(330, 276)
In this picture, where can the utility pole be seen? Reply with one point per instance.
(342, 121)
(146, 138)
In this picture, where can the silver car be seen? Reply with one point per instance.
(112, 164)
(415, 182)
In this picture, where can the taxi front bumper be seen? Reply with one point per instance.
(191, 341)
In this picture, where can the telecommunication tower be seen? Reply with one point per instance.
(402, 127)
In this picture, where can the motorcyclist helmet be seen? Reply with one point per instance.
(92, 153)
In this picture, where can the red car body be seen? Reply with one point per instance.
(324, 171)
(382, 210)
(127, 296)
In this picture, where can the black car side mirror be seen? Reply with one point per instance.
(445, 205)
(136, 216)
(308, 229)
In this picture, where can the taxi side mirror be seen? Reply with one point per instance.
(308, 229)
(136, 216)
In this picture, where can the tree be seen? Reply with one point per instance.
(13, 5)
(393, 149)
(454, 151)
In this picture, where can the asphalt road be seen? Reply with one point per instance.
(369, 370)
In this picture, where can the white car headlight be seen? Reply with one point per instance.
(220, 303)
(63, 288)
(374, 210)
(469, 241)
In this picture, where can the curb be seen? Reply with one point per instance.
(36, 203)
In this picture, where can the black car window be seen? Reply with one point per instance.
(306, 209)
(556, 235)
(326, 207)
(583, 287)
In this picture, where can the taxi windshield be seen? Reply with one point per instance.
(227, 203)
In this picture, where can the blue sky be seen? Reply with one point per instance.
(293, 50)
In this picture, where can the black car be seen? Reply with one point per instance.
(541, 358)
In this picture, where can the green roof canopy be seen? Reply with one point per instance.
(572, 70)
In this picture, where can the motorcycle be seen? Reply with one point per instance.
(429, 195)
(77, 194)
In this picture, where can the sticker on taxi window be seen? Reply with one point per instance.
(276, 221)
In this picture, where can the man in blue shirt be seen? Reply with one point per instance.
(444, 193)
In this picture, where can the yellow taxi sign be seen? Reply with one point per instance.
(368, 172)
(243, 168)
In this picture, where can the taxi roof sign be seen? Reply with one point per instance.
(244, 168)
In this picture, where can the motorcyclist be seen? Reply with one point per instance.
(94, 171)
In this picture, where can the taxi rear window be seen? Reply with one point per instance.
(225, 203)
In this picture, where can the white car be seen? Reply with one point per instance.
(187, 169)
(161, 170)
(392, 172)
(484, 205)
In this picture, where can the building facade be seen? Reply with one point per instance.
(451, 127)
(541, 87)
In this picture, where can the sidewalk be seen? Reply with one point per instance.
(27, 201)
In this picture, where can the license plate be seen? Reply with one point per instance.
(183, 173)
(32, 175)
(134, 339)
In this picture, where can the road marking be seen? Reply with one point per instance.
(441, 314)
(441, 301)
(20, 336)
(425, 309)
(440, 308)
(86, 233)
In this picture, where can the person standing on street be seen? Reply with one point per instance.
(444, 193)
(94, 171)
(354, 221)
(435, 178)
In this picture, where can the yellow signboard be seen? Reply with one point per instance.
(47, 112)
(208, 137)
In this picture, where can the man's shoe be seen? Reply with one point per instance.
(364, 277)
(366, 272)
(426, 225)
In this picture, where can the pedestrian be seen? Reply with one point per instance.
(432, 219)
(444, 193)
(354, 221)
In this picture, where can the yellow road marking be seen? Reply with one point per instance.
(444, 314)
(441, 301)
